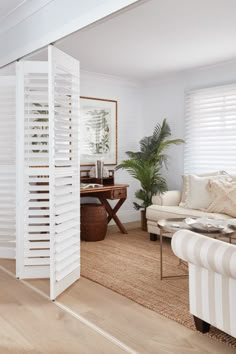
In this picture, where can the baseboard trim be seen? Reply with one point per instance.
(128, 216)
(128, 225)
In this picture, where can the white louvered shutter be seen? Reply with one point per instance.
(64, 171)
(33, 253)
(210, 134)
(7, 167)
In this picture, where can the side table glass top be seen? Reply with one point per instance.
(172, 225)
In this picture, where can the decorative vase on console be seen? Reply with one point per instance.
(99, 170)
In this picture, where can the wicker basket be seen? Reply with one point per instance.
(93, 222)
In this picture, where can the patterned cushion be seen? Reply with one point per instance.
(223, 197)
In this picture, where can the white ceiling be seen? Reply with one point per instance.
(13, 12)
(6, 7)
(157, 37)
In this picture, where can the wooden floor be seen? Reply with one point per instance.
(30, 323)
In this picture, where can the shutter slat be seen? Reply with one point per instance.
(65, 245)
(61, 275)
(67, 263)
(64, 235)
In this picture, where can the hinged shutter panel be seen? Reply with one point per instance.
(64, 170)
(33, 228)
(7, 167)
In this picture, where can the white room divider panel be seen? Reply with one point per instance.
(64, 171)
(48, 193)
(33, 254)
(7, 167)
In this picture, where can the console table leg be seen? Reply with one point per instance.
(112, 212)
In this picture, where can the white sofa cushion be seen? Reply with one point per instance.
(157, 212)
(167, 198)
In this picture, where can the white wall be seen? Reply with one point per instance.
(164, 98)
(142, 105)
(8, 70)
(37, 24)
(128, 95)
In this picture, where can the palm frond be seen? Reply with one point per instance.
(165, 144)
(163, 132)
(138, 206)
(132, 154)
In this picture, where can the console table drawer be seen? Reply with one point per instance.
(118, 193)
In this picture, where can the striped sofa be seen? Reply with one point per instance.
(212, 279)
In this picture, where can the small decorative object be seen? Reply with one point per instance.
(99, 169)
(105, 172)
(88, 176)
(206, 224)
(98, 130)
(90, 185)
(231, 223)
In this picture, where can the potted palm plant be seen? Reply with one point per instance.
(145, 166)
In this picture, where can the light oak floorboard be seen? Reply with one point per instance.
(143, 330)
(32, 324)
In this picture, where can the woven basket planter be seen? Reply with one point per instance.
(93, 222)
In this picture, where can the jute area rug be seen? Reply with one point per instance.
(129, 265)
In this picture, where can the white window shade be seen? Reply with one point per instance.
(210, 130)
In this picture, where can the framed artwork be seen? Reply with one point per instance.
(98, 131)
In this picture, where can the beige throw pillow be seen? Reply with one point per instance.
(197, 194)
(185, 183)
(223, 197)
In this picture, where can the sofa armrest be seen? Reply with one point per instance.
(205, 252)
(169, 198)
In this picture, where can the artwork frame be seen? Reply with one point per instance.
(98, 131)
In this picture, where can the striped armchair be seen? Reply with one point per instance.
(212, 279)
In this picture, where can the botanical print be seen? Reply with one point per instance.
(97, 128)
(98, 125)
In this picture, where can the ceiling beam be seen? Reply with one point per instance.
(54, 20)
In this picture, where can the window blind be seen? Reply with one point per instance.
(210, 130)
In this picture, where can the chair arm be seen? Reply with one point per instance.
(205, 252)
(169, 198)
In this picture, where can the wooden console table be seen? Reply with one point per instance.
(116, 191)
